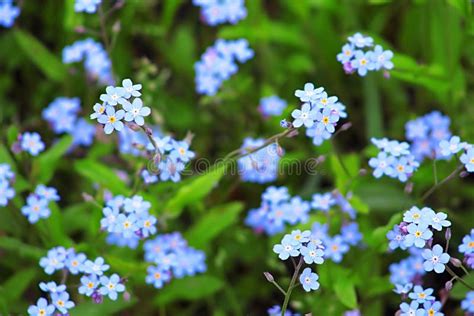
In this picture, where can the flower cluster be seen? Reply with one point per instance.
(96, 60)
(260, 166)
(272, 106)
(468, 303)
(6, 178)
(31, 142)
(319, 113)
(62, 115)
(8, 13)
(171, 257)
(354, 58)
(308, 248)
(423, 303)
(93, 281)
(467, 248)
(216, 12)
(37, 203)
(218, 63)
(394, 160)
(425, 134)
(132, 110)
(89, 6)
(127, 220)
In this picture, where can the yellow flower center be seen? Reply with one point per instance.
(422, 295)
(157, 275)
(182, 151)
(416, 216)
(42, 312)
(60, 303)
(335, 247)
(325, 120)
(74, 263)
(471, 244)
(126, 224)
(101, 109)
(112, 119)
(418, 234)
(36, 208)
(431, 312)
(298, 237)
(400, 168)
(147, 224)
(363, 61)
(111, 286)
(90, 285)
(348, 52)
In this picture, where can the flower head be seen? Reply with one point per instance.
(309, 280)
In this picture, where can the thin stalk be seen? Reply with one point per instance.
(440, 183)
(435, 173)
(457, 277)
(278, 287)
(290, 288)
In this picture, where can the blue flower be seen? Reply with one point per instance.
(147, 225)
(89, 6)
(96, 267)
(130, 89)
(298, 237)
(61, 301)
(89, 284)
(157, 276)
(8, 14)
(136, 204)
(113, 95)
(402, 169)
(31, 142)
(335, 248)
(413, 215)
(435, 220)
(111, 286)
(323, 202)
(286, 248)
(318, 135)
(435, 259)
(309, 280)
(397, 148)
(135, 111)
(53, 261)
(272, 106)
(383, 164)
(312, 254)
(47, 193)
(362, 62)
(453, 146)
(306, 116)
(467, 246)
(275, 195)
(148, 177)
(360, 40)
(99, 109)
(433, 308)
(126, 225)
(112, 120)
(83, 133)
(75, 262)
(6, 192)
(468, 303)
(416, 129)
(418, 234)
(396, 238)
(346, 54)
(381, 58)
(411, 310)
(52, 287)
(467, 159)
(299, 210)
(109, 220)
(214, 12)
(35, 208)
(42, 308)
(403, 289)
(421, 295)
(326, 102)
(310, 93)
(181, 151)
(350, 233)
(326, 120)
(170, 169)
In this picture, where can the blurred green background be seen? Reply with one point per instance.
(157, 44)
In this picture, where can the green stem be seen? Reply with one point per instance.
(290, 288)
(339, 158)
(457, 277)
(435, 173)
(279, 287)
(440, 183)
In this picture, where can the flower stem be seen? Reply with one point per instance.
(290, 288)
(440, 183)
(457, 277)
(435, 173)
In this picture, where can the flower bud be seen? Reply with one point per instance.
(409, 187)
(284, 123)
(97, 298)
(269, 277)
(189, 138)
(293, 133)
(447, 234)
(80, 29)
(346, 126)
(362, 172)
(463, 174)
(116, 27)
(126, 296)
(280, 151)
(87, 197)
(448, 285)
(455, 262)
(133, 126)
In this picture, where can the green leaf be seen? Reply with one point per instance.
(190, 289)
(213, 223)
(13, 288)
(54, 227)
(345, 291)
(22, 249)
(344, 173)
(47, 162)
(360, 206)
(194, 191)
(101, 174)
(459, 290)
(47, 62)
